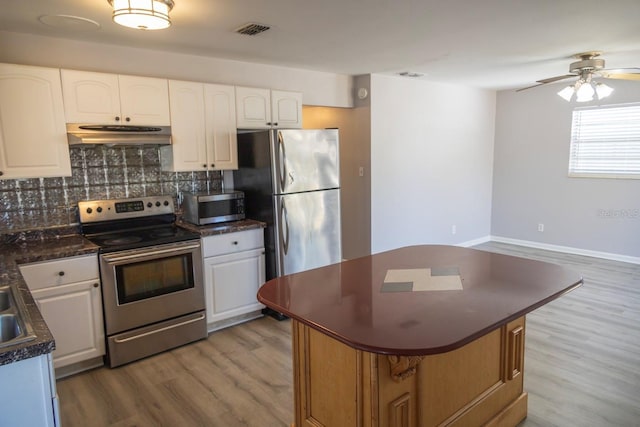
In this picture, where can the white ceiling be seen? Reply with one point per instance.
(494, 44)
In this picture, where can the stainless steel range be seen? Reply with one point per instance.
(151, 273)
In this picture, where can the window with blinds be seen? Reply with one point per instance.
(605, 142)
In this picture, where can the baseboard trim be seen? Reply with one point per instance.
(76, 368)
(474, 242)
(565, 249)
(232, 321)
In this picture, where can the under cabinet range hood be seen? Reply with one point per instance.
(120, 135)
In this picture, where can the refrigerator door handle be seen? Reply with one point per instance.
(282, 165)
(284, 228)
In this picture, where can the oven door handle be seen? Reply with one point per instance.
(155, 331)
(175, 250)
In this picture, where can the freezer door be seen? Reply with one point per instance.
(304, 160)
(307, 230)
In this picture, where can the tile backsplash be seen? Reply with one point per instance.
(97, 172)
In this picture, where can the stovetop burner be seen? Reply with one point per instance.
(123, 240)
(162, 233)
(141, 237)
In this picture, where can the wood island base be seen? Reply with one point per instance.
(479, 384)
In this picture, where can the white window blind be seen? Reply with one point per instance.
(605, 142)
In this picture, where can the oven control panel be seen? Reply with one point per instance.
(109, 210)
(130, 206)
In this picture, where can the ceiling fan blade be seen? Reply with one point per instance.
(555, 79)
(528, 87)
(545, 81)
(620, 71)
(621, 74)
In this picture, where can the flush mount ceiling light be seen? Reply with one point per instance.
(142, 14)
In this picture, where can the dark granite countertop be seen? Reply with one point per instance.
(48, 246)
(13, 254)
(222, 228)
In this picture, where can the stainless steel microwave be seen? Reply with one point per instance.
(212, 208)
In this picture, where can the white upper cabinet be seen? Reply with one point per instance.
(253, 108)
(286, 109)
(188, 150)
(220, 126)
(203, 128)
(90, 97)
(33, 137)
(101, 98)
(259, 108)
(144, 100)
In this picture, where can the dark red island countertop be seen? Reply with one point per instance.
(350, 301)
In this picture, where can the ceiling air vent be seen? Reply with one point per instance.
(410, 74)
(252, 29)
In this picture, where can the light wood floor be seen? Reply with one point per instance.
(582, 366)
(240, 376)
(582, 358)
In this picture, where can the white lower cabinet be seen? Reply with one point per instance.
(67, 292)
(28, 393)
(234, 269)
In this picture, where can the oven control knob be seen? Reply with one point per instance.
(89, 210)
(99, 209)
(149, 204)
(166, 203)
(158, 204)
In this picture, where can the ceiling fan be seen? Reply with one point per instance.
(588, 67)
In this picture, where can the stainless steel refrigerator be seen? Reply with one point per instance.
(291, 181)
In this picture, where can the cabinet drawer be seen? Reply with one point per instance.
(63, 271)
(232, 242)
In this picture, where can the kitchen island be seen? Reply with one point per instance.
(418, 336)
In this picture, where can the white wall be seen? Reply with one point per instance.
(531, 186)
(431, 162)
(318, 88)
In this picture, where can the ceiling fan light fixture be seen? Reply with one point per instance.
(586, 69)
(585, 92)
(602, 90)
(142, 14)
(567, 93)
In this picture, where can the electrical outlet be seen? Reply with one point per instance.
(361, 171)
(453, 229)
(541, 227)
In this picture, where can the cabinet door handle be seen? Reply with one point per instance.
(204, 166)
(235, 242)
(275, 124)
(61, 273)
(128, 119)
(1, 173)
(117, 118)
(213, 165)
(95, 285)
